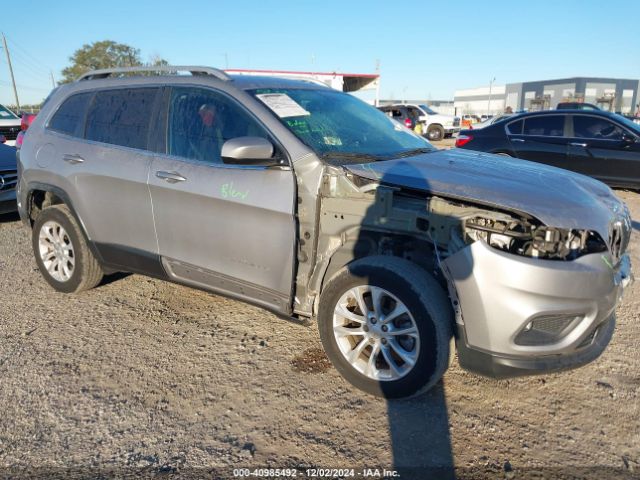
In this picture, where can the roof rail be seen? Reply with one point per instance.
(172, 69)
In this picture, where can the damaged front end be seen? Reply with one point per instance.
(528, 297)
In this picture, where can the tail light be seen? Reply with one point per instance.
(407, 122)
(25, 121)
(463, 140)
(20, 139)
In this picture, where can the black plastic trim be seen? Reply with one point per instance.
(127, 259)
(496, 366)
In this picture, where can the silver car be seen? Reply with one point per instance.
(308, 202)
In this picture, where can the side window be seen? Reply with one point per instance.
(515, 128)
(69, 118)
(121, 117)
(595, 127)
(395, 113)
(200, 121)
(547, 125)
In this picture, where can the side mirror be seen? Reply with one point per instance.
(248, 151)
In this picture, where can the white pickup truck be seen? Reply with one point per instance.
(424, 120)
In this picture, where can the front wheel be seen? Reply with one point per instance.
(61, 252)
(386, 325)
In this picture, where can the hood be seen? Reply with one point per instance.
(7, 157)
(10, 122)
(556, 197)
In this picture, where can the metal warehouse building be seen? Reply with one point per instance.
(612, 94)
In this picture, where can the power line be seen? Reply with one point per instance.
(33, 60)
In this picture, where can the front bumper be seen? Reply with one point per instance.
(500, 297)
(8, 201)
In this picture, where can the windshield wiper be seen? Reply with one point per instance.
(352, 156)
(415, 151)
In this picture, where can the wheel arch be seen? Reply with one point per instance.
(42, 195)
(369, 243)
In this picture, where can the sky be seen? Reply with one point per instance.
(425, 49)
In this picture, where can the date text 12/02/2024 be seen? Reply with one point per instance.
(316, 472)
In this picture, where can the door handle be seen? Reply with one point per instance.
(171, 177)
(72, 158)
(578, 144)
(519, 140)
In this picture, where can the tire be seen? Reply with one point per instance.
(62, 253)
(420, 358)
(435, 132)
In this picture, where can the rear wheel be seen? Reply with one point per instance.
(386, 326)
(435, 132)
(61, 252)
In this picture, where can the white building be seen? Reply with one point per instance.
(480, 101)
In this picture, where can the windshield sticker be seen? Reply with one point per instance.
(333, 141)
(282, 105)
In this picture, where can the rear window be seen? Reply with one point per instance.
(121, 117)
(515, 128)
(547, 125)
(69, 118)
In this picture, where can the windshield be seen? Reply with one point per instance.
(339, 126)
(630, 124)
(427, 110)
(6, 114)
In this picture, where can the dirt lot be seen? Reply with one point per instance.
(142, 376)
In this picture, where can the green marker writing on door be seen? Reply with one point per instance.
(227, 191)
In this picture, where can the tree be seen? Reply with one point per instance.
(104, 54)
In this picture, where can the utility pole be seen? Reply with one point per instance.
(53, 81)
(13, 80)
(489, 102)
(377, 101)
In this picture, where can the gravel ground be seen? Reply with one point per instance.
(143, 377)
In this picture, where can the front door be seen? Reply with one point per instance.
(224, 227)
(598, 148)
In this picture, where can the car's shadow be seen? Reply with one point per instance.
(114, 277)
(635, 225)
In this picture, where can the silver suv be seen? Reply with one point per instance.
(310, 203)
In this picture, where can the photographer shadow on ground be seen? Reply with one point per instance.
(403, 348)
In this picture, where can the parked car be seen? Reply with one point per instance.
(309, 202)
(8, 179)
(469, 119)
(576, 106)
(489, 121)
(600, 144)
(426, 121)
(9, 125)
(401, 113)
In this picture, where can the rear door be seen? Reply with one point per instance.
(597, 147)
(105, 173)
(541, 139)
(229, 228)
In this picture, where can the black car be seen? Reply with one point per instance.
(8, 179)
(595, 143)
